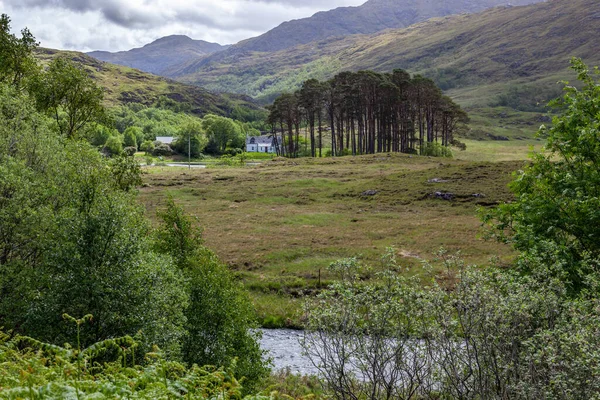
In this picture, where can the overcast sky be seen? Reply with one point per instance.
(116, 25)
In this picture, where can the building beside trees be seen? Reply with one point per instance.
(263, 144)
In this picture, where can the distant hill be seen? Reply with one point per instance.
(521, 44)
(124, 85)
(503, 59)
(161, 55)
(373, 16)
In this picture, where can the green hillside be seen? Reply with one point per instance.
(508, 56)
(124, 85)
(373, 16)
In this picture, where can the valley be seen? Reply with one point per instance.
(399, 198)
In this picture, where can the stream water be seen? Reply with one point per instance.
(284, 348)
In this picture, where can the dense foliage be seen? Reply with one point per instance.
(212, 134)
(469, 334)
(556, 216)
(522, 333)
(219, 315)
(367, 113)
(73, 240)
(44, 371)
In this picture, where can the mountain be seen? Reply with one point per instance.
(373, 16)
(492, 63)
(124, 85)
(498, 45)
(161, 55)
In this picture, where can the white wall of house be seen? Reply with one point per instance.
(263, 148)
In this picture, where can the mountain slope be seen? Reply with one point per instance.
(160, 55)
(124, 85)
(501, 65)
(371, 17)
(502, 45)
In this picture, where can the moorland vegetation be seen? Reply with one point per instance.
(156, 303)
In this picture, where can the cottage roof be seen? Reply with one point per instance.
(165, 139)
(264, 140)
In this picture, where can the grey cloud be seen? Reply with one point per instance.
(114, 11)
(122, 24)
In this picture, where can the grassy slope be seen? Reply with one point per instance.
(278, 224)
(127, 85)
(373, 16)
(476, 57)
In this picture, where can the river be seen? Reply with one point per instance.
(284, 348)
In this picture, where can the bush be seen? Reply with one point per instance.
(130, 136)
(459, 145)
(162, 150)
(113, 146)
(130, 151)
(220, 317)
(435, 150)
(472, 334)
(234, 152)
(147, 146)
(100, 134)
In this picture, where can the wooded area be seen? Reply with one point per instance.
(367, 113)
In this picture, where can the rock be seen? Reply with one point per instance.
(543, 118)
(479, 195)
(497, 137)
(444, 196)
(370, 193)
(437, 180)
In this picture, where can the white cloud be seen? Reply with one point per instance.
(115, 25)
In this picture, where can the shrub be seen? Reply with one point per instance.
(162, 150)
(477, 334)
(113, 146)
(147, 146)
(130, 151)
(435, 150)
(130, 136)
(220, 317)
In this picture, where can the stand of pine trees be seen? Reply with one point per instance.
(367, 112)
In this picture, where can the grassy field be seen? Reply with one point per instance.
(278, 225)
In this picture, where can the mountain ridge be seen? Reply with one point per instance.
(371, 17)
(500, 44)
(160, 55)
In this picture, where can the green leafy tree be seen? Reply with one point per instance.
(219, 316)
(556, 214)
(130, 136)
(221, 132)
(16, 54)
(70, 96)
(100, 134)
(190, 139)
(113, 146)
(72, 240)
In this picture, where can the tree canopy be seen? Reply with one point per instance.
(556, 215)
(73, 239)
(367, 112)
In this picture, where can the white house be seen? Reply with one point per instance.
(165, 139)
(261, 144)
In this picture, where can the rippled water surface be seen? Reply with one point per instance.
(285, 350)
